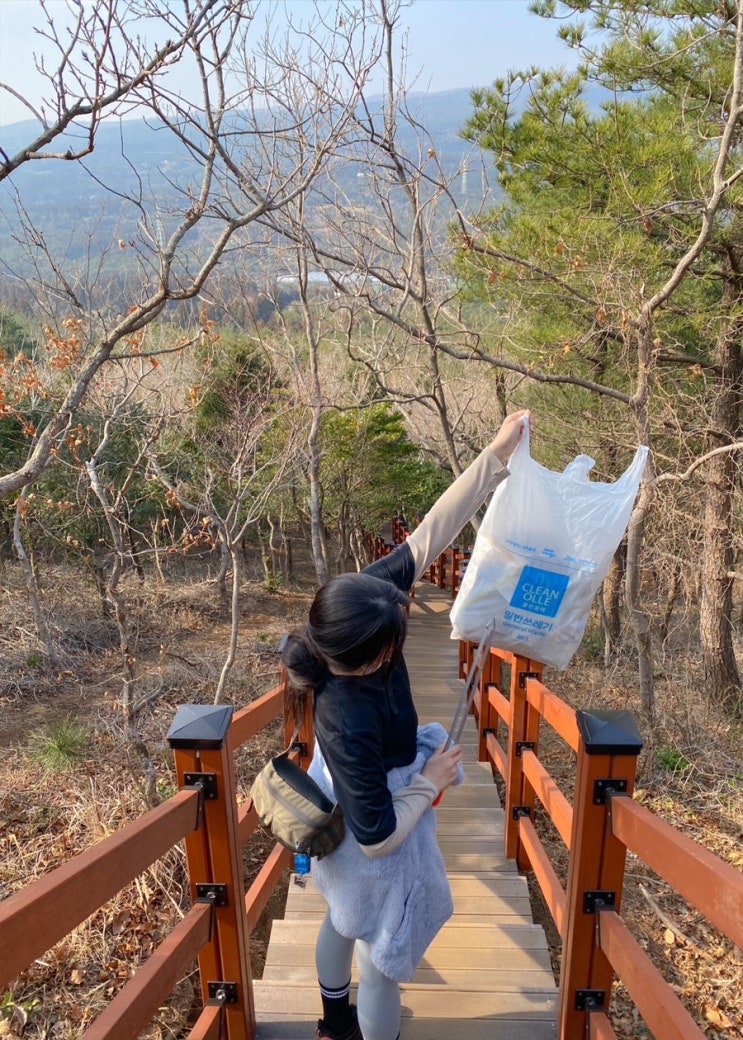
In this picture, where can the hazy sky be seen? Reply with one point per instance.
(452, 43)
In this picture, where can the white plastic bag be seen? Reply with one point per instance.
(543, 549)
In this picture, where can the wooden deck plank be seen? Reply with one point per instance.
(474, 773)
(488, 972)
(515, 906)
(473, 796)
(494, 977)
(434, 1002)
(476, 897)
(456, 860)
(299, 1027)
(461, 884)
(498, 959)
(480, 935)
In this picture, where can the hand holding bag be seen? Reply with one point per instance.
(292, 807)
(543, 549)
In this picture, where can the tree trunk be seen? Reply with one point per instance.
(155, 528)
(101, 583)
(6, 540)
(318, 547)
(285, 554)
(265, 560)
(359, 549)
(671, 594)
(639, 616)
(235, 623)
(345, 531)
(716, 602)
(42, 629)
(224, 567)
(287, 560)
(133, 554)
(611, 595)
(274, 545)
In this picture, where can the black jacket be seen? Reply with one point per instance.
(367, 725)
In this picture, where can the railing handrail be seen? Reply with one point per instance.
(708, 883)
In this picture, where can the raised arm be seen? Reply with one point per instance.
(459, 503)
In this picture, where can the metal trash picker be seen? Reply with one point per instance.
(467, 697)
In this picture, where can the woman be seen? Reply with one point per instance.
(385, 885)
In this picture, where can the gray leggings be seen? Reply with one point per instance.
(378, 1001)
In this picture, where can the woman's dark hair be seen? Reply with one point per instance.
(354, 620)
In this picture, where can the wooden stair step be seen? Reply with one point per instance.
(460, 979)
(417, 1001)
(505, 957)
(479, 936)
(299, 1027)
(475, 796)
(493, 894)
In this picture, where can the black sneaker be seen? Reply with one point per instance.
(352, 1033)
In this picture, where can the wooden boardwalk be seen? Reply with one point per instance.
(487, 974)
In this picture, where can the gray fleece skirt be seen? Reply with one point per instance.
(398, 902)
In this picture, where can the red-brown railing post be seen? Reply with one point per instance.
(607, 762)
(487, 717)
(462, 558)
(520, 797)
(399, 529)
(304, 742)
(456, 556)
(465, 652)
(203, 759)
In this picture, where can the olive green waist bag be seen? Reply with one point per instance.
(295, 810)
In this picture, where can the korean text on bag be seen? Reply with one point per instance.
(543, 549)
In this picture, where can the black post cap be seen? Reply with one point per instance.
(609, 732)
(200, 726)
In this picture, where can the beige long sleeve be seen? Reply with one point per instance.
(440, 526)
(409, 804)
(451, 511)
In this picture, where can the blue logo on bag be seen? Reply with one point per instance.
(539, 591)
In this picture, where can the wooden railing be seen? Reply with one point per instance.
(205, 814)
(598, 828)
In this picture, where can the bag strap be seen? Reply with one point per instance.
(288, 749)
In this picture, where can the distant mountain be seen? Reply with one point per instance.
(131, 157)
(83, 208)
(134, 157)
